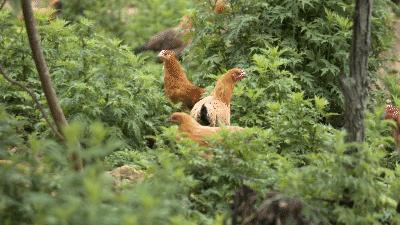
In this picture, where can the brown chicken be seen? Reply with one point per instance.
(196, 132)
(219, 6)
(170, 39)
(176, 85)
(214, 110)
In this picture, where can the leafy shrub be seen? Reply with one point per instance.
(133, 21)
(95, 76)
(336, 187)
(345, 189)
(293, 52)
(40, 187)
(317, 32)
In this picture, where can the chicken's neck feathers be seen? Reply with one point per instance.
(223, 91)
(173, 69)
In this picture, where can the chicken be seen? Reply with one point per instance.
(176, 85)
(41, 6)
(169, 39)
(196, 132)
(219, 6)
(214, 110)
(393, 113)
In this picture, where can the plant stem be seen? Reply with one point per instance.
(36, 101)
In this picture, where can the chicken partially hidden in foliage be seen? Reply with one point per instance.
(170, 39)
(393, 113)
(196, 132)
(176, 85)
(214, 110)
(220, 6)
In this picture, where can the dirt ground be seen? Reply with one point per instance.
(393, 66)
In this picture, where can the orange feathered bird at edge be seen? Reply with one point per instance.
(214, 110)
(393, 113)
(196, 132)
(176, 85)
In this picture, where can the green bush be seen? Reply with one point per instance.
(339, 188)
(96, 78)
(133, 21)
(40, 187)
(317, 34)
(292, 52)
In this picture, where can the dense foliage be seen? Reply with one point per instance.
(95, 76)
(292, 51)
(313, 38)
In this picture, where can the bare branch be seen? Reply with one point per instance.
(35, 100)
(41, 66)
(44, 75)
(3, 4)
(355, 86)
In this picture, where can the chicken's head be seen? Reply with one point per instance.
(179, 118)
(166, 54)
(186, 23)
(237, 74)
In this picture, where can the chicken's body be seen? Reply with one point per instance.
(214, 110)
(210, 111)
(176, 85)
(219, 6)
(393, 113)
(169, 39)
(196, 132)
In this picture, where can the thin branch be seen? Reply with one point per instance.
(41, 66)
(3, 4)
(35, 100)
(44, 75)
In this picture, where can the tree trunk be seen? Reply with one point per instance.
(41, 66)
(355, 86)
(44, 75)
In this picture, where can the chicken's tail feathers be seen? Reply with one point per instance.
(140, 49)
(204, 116)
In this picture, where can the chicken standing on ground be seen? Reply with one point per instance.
(215, 110)
(176, 85)
(170, 39)
(196, 132)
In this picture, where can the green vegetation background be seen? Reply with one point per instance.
(293, 51)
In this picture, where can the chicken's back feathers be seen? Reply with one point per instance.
(170, 39)
(167, 39)
(196, 132)
(176, 85)
(211, 112)
(214, 110)
(204, 116)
